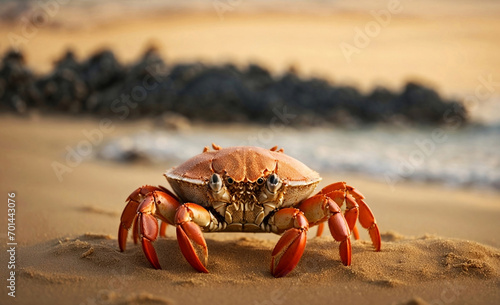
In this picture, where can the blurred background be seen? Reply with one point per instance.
(99, 97)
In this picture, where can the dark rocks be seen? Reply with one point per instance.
(102, 86)
(65, 88)
(17, 84)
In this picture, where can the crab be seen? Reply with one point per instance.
(245, 189)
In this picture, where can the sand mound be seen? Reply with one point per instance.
(242, 264)
(48, 277)
(401, 261)
(429, 258)
(114, 298)
(94, 248)
(97, 210)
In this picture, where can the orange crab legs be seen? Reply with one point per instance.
(320, 207)
(188, 219)
(356, 208)
(290, 247)
(144, 206)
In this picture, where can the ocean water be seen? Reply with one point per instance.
(465, 157)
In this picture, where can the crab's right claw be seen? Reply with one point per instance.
(290, 247)
(287, 252)
(193, 245)
(190, 237)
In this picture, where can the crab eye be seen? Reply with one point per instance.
(230, 180)
(215, 182)
(273, 183)
(260, 181)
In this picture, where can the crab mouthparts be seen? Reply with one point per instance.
(244, 200)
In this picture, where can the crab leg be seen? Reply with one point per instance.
(367, 221)
(355, 232)
(163, 229)
(321, 207)
(144, 206)
(337, 192)
(356, 208)
(290, 247)
(129, 214)
(148, 230)
(321, 227)
(366, 218)
(188, 219)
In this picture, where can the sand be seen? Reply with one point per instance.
(89, 267)
(439, 246)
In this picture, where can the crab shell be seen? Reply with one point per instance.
(243, 164)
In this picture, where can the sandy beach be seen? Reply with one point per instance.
(440, 245)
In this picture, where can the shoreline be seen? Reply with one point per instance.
(50, 137)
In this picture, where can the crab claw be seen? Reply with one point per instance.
(287, 252)
(289, 249)
(193, 245)
(189, 217)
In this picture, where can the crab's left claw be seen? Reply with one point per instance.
(189, 218)
(289, 249)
